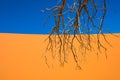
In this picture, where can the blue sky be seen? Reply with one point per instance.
(24, 16)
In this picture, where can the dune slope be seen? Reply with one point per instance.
(21, 58)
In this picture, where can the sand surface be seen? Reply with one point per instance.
(21, 59)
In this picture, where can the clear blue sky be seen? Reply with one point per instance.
(24, 16)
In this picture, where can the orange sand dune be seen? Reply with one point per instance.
(21, 59)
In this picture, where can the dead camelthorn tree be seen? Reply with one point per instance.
(75, 21)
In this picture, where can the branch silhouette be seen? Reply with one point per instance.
(87, 18)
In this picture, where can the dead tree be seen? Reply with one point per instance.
(75, 21)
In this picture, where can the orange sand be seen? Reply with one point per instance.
(21, 59)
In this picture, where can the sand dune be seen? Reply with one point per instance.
(21, 59)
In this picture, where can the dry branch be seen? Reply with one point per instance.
(88, 17)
